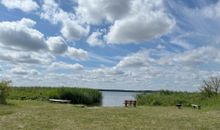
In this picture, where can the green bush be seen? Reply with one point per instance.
(76, 95)
(32, 93)
(4, 91)
(81, 95)
(169, 98)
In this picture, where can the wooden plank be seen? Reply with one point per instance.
(195, 106)
(59, 100)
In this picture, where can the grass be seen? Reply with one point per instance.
(76, 95)
(39, 115)
(170, 98)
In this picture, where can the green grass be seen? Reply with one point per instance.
(38, 115)
(169, 98)
(76, 95)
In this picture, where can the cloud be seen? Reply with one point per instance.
(133, 21)
(21, 36)
(57, 45)
(24, 44)
(63, 65)
(52, 12)
(217, 9)
(17, 57)
(212, 10)
(34, 72)
(146, 20)
(19, 71)
(21, 43)
(202, 55)
(99, 58)
(96, 11)
(139, 59)
(77, 53)
(182, 42)
(73, 31)
(205, 55)
(95, 39)
(24, 5)
(71, 27)
(107, 71)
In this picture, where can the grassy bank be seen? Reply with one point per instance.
(76, 95)
(169, 98)
(35, 115)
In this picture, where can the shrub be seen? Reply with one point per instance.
(81, 95)
(211, 87)
(76, 95)
(4, 91)
(156, 103)
(169, 98)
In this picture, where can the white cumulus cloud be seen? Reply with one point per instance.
(146, 20)
(73, 31)
(16, 57)
(71, 27)
(19, 71)
(201, 55)
(57, 45)
(77, 53)
(96, 11)
(21, 35)
(139, 59)
(63, 65)
(95, 39)
(24, 5)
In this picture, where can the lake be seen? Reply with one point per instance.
(116, 98)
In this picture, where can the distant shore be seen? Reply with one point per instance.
(127, 90)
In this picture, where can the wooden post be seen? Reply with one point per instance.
(126, 103)
(134, 103)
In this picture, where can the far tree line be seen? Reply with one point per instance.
(210, 87)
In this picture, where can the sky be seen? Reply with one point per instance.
(110, 44)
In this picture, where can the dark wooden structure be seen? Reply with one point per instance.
(179, 106)
(130, 103)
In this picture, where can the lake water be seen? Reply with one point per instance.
(113, 98)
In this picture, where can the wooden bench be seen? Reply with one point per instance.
(179, 106)
(194, 106)
(130, 103)
(59, 100)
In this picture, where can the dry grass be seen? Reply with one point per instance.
(36, 115)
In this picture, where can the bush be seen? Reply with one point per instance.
(211, 87)
(169, 98)
(76, 95)
(81, 96)
(4, 91)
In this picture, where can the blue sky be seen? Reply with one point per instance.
(114, 44)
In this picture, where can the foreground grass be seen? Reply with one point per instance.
(38, 115)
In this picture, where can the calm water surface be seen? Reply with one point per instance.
(116, 98)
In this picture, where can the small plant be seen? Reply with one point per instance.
(4, 91)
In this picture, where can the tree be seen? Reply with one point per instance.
(4, 91)
(211, 86)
